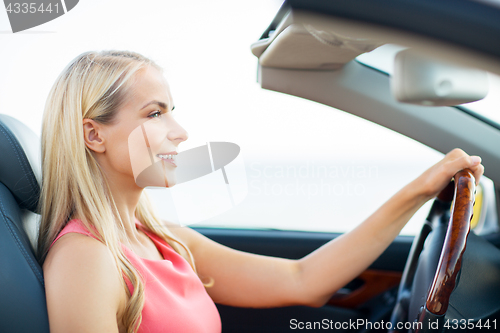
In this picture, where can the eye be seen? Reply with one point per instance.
(155, 114)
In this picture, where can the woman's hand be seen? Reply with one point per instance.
(435, 179)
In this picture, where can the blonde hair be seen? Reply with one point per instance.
(93, 86)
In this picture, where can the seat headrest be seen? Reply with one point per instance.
(20, 161)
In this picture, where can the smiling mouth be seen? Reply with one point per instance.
(170, 158)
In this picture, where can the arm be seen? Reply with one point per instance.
(360, 247)
(82, 286)
(243, 279)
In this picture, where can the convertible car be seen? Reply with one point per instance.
(416, 67)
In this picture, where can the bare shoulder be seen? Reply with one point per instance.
(75, 253)
(82, 284)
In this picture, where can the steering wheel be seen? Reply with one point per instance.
(433, 265)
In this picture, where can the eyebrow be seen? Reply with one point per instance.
(160, 104)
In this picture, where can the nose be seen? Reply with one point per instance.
(176, 133)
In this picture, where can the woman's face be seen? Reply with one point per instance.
(145, 133)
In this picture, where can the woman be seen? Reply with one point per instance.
(137, 273)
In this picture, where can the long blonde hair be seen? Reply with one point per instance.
(92, 86)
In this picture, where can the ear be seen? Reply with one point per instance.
(93, 135)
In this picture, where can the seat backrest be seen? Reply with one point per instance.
(22, 294)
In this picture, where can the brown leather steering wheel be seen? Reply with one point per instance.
(450, 261)
(461, 191)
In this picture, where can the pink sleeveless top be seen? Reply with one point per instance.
(175, 298)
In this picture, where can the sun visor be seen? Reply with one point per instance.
(308, 41)
(421, 80)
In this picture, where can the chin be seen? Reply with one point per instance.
(171, 182)
(155, 176)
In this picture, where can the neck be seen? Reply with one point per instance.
(126, 195)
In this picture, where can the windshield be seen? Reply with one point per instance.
(488, 107)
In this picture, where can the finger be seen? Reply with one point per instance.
(476, 167)
(474, 160)
(478, 172)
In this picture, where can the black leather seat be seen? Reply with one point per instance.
(22, 294)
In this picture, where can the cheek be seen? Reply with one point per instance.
(154, 131)
(144, 143)
(117, 155)
(120, 157)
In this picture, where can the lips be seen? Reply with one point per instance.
(168, 157)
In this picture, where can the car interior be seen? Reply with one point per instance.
(313, 50)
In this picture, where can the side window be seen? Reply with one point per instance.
(307, 167)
